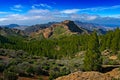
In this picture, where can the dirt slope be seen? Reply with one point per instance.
(115, 73)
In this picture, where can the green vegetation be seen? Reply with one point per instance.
(52, 48)
(20, 63)
(65, 46)
(9, 75)
(111, 40)
(59, 30)
(56, 57)
(92, 60)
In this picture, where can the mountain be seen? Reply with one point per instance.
(101, 29)
(35, 28)
(15, 26)
(90, 26)
(5, 31)
(11, 25)
(64, 28)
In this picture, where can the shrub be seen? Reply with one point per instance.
(113, 62)
(118, 55)
(7, 75)
(57, 71)
(2, 66)
(2, 52)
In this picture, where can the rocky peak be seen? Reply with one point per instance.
(66, 27)
(67, 22)
(73, 27)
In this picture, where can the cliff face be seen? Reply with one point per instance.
(114, 74)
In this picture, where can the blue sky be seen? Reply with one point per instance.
(28, 12)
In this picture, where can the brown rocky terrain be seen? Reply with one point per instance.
(92, 75)
(64, 28)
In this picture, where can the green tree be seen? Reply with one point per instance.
(92, 59)
(116, 41)
(7, 75)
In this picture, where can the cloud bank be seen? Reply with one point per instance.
(42, 13)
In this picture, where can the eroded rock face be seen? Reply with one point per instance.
(92, 75)
(115, 73)
(65, 27)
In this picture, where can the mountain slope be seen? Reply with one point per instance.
(12, 25)
(64, 28)
(92, 75)
(90, 26)
(101, 29)
(4, 31)
(35, 28)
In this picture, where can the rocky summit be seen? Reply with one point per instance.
(66, 27)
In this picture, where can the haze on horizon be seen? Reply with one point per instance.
(29, 12)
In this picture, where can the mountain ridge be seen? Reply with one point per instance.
(5, 31)
(66, 27)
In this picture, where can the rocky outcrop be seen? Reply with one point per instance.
(92, 75)
(37, 27)
(66, 27)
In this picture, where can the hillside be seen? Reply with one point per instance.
(65, 28)
(37, 27)
(56, 56)
(101, 29)
(92, 75)
(11, 25)
(5, 31)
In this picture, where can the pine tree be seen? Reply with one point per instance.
(116, 41)
(92, 59)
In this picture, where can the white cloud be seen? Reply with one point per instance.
(39, 11)
(70, 11)
(37, 16)
(41, 6)
(83, 17)
(17, 7)
(100, 8)
(3, 12)
(114, 15)
(89, 17)
(45, 5)
(3, 19)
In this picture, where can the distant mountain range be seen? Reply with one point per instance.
(35, 28)
(11, 25)
(92, 26)
(15, 26)
(55, 29)
(5, 31)
(86, 25)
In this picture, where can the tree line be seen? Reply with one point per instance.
(61, 47)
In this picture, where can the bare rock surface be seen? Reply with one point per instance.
(92, 75)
